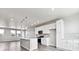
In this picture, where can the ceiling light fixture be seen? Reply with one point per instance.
(12, 19)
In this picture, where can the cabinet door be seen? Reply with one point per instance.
(44, 41)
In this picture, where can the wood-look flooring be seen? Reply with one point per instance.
(15, 46)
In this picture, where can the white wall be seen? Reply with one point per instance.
(71, 33)
(2, 23)
(71, 27)
(72, 24)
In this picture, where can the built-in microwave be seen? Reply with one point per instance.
(40, 32)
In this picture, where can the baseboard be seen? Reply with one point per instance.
(63, 49)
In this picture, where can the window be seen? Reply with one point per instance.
(22, 33)
(18, 33)
(25, 33)
(13, 32)
(1, 31)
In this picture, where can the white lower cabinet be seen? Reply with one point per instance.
(33, 44)
(76, 45)
(25, 44)
(45, 41)
(72, 45)
(30, 44)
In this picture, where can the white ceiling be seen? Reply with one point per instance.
(34, 16)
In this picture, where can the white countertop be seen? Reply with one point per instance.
(8, 40)
(28, 38)
(4, 39)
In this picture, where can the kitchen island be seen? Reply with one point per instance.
(29, 43)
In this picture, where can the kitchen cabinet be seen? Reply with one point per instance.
(25, 44)
(45, 28)
(45, 41)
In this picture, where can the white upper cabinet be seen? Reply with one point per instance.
(45, 28)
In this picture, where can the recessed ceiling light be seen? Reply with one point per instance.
(12, 19)
(25, 17)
